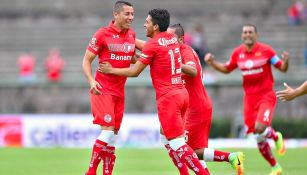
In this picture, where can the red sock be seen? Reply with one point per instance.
(187, 155)
(108, 157)
(266, 152)
(182, 168)
(207, 171)
(220, 156)
(271, 134)
(95, 159)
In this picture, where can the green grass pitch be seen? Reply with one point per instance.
(60, 161)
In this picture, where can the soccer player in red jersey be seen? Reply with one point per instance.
(255, 59)
(199, 114)
(162, 53)
(114, 43)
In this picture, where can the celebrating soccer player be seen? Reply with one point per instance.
(162, 53)
(255, 60)
(116, 44)
(199, 114)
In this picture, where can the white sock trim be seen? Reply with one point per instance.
(177, 143)
(163, 139)
(113, 140)
(208, 154)
(106, 136)
(203, 163)
(260, 138)
(265, 132)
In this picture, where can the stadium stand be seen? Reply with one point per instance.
(35, 26)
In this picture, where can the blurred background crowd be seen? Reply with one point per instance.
(42, 44)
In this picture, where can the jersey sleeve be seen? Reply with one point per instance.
(187, 56)
(148, 53)
(95, 45)
(231, 64)
(274, 58)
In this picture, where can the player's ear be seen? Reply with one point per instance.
(156, 27)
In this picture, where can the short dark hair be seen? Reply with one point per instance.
(119, 5)
(161, 17)
(251, 25)
(179, 31)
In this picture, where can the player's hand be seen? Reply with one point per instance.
(94, 87)
(285, 56)
(105, 67)
(287, 94)
(209, 58)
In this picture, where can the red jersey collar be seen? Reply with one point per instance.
(253, 49)
(113, 27)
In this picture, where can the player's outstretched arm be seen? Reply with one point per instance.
(133, 71)
(139, 44)
(209, 59)
(285, 62)
(289, 93)
(87, 69)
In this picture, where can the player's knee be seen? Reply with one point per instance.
(106, 136)
(260, 128)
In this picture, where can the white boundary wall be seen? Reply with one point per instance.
(77, 131)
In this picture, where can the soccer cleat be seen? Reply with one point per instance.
(276, 170)
(280, 145)
(236, 160)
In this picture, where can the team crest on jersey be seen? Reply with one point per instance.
(107, 118)
(258, 54)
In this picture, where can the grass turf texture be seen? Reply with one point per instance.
(60, 161)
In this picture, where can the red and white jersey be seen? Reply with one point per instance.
(162, 53)
(199, 99)
(255, 67)
(117, 47)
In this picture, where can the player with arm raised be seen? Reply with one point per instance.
(255, 59)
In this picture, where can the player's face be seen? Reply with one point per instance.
(124, 17)
(249, 35)
(149, 27)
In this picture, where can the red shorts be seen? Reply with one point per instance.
(259, 108)
(171, 110)
(107, 109)
(197, 133)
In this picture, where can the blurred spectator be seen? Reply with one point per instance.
(188, 38)
(26, 63)
(297, 13)
(305, 55)
(54, 65)
(199, 42)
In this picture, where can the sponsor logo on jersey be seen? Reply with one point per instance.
(252, 71)
(165, 42)
(120, 57)
(126, 47)
(115, 36)
(249, 64)
(107, 118)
